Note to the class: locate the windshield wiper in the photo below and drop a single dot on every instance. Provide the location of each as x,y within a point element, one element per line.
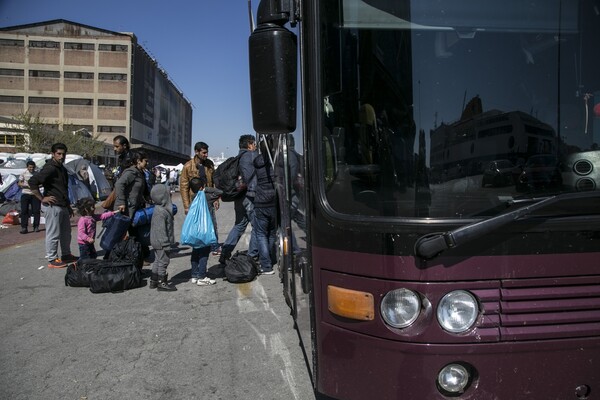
<point>432,244</point>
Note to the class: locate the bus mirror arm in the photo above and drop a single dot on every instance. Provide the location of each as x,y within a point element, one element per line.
<point>431,245</point>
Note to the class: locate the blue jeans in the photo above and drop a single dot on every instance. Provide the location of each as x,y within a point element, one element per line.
<point>244,214</point>
<point>87,250</point>
<point>199,261</point>
<point>266,227</point>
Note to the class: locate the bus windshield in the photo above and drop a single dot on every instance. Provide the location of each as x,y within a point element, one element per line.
<point>451,112</point>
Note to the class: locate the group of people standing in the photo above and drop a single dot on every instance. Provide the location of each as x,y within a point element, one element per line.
<point>133,189</point>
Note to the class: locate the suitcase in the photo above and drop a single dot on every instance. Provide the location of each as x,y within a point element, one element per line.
<point>113,276</point>
<point>115,229</point>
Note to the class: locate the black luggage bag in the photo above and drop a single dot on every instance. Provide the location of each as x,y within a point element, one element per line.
<point>78,273</point>
<point>241,268</point>
<point>112,276</point>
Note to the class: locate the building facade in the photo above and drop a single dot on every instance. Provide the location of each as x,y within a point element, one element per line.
<point>88,78</point>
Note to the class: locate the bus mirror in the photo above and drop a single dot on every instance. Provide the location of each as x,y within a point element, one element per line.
<point>273,72</point>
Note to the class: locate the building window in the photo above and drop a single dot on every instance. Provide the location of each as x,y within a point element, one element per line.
<point>44,74</point>
<point>12,43</point>
<point>79,46</point>
<point>14,140</point>
<point>11,72</point>
<point>77,102</point>
<point>43,100</point>
<point>111,129</point>
<point>112,77</point>
<point>111,103</point>
<point>12,99</point>
<point>45,44</point>
<point>112,47</point>
<point>79,75</point>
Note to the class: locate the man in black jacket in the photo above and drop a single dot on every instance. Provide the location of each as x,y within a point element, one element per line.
<point>55,180</point>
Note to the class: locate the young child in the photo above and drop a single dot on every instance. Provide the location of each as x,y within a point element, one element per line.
<point>161,237</point>
<point>86,227</point>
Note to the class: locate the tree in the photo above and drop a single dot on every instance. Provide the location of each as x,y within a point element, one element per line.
<point>39,137</point>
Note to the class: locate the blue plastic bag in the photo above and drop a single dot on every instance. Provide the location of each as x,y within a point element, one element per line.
<point>198,229</point>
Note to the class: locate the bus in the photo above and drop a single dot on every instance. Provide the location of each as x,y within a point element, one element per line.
<point>406,277</point>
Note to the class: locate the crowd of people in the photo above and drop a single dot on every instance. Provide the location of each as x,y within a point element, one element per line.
<point>135,186</point>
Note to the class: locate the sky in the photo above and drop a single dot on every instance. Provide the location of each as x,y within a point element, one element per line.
<point>202,45</point>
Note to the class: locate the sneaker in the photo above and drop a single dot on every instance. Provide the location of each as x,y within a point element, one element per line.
<point>267,272</point>
<point>23,230</point>
<point>57,263</point>
<point>36,229</point>
<point>195,280</point>
<point>69,258</point>
<point>205,281</point>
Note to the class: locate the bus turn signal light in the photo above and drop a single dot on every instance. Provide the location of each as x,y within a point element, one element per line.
<point>351,304</point>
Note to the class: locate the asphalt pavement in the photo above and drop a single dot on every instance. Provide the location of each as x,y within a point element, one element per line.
<point>226,341</point>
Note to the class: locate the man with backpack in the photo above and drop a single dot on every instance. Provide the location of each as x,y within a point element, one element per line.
<point>243,204</point>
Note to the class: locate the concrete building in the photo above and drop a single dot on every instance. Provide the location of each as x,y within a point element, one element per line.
<point>88,78</point>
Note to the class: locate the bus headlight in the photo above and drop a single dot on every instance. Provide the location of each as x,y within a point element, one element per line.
<point>400,307</point>
<point>457,311</point>
<point>453,378</point>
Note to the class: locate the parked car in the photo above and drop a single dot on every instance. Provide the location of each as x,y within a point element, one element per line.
<point>498,173</point>
<point>541,172</point>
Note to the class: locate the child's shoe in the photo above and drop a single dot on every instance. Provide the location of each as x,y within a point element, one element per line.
<point>57,263</point>
<point>163,285</point>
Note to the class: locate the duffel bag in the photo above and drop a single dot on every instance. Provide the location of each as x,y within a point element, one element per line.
<point>114,277</point>
<point>128,250</point>
<point>241,268</point>
<point>78,274</point>
<point>115,229</point>
<point>143,216</point>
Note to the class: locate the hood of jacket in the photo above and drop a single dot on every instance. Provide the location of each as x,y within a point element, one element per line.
<point>161,196</point>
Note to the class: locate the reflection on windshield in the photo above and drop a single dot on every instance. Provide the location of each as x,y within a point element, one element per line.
<point>423,117</point>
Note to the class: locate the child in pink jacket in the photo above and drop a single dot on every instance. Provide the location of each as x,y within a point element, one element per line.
<point>86,227</point>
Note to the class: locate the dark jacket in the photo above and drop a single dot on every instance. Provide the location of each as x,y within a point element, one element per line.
<point>247,170</point>
<point>265,188</point>
<point>131,190</point>
<point>161,226</point>
<point>55,179</point>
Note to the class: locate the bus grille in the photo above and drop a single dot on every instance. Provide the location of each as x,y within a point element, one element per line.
<point>544,308</point>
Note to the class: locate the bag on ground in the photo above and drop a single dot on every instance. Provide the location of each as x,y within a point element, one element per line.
<point>11,218</point>
<point>114,277</point>
<point>241,268</point>
<point>114,230</point>
<point>227,178</point>
<point>78,274</point>
<point>128,250</point>
<point>198,229</point>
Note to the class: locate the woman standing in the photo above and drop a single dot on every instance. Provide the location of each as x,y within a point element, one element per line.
<point>131,189</point>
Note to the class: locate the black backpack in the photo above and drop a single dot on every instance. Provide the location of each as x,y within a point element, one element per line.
<point>128,250</point>
<point>227,178</point>
<point>241,268</point>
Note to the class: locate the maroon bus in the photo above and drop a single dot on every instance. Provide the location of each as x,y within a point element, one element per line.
<point>440,212</point>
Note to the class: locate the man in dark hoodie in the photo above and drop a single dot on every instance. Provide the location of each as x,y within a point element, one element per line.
<point>265,208</point>
<point>161,237</point>
<point>55,180</point>
<point>243,205</point>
